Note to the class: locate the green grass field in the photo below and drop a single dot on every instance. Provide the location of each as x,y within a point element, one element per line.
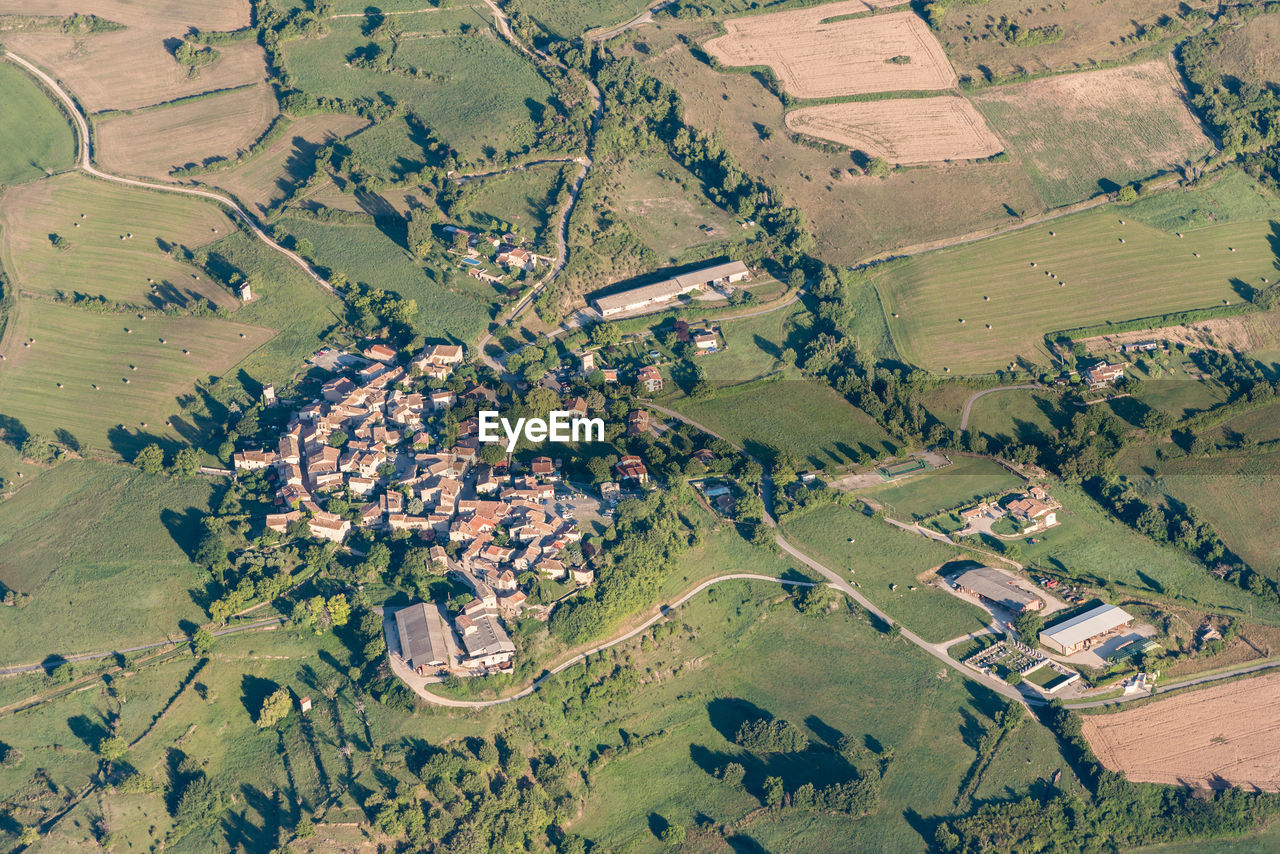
<point>1018,415</point>
<point>753,345</point>
<point>477,100</point>
<point>666,207</point>
<point>924,495</point>
<point>100,550</point>
<point>570,18</point>
<point>802,416</point>
<point>881,555</point>
<point>367,255</point>
<point>523,200</point>
<point>1091,545</point>
<point>80,350</point>
<point>35,139</point>
<point>1098,279</point>
<point>95,218</point>
<point>1232,196</point>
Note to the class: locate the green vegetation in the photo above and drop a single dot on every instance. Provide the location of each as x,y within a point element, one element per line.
<point>1087,267</point>
<point>924,495</point>
<point>1231,196</point>
<point>882,558</point>
<point>815,425</point>
<point>102,552</point>
<point>41,142</point>
<point>527,202</point>
<point>569,18</point>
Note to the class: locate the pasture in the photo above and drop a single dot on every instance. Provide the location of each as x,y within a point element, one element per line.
<point>150,143</point>
<point>1229,196</point>
<point>478,97</point>
<point>1079,134</point>
<point>452,308</point>
<point>905,131</point>
<point>1087,34</point>
<point>977,308</point>
<point>1091,546</point>
<point>571,18</point>
<point>134,67</point>
<point>754,345</point>
<point>75,371</point>
<point>816,52</point>
<point>94,219</point>
<point>523,201</point>
<point>1020,415</point>
<point>816,425</point>
<point>665,206</point>
<point>1223,734</point>
<point>41,142</point>
<point>879,556</point>
<point>102,551</point>
<point>853,217</point>
<point>1249,53</point>
<point>924,495</point>
<point>262,181</point>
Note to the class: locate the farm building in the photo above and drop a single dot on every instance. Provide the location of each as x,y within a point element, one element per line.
<point>659,293</point>
<point>486,642</point>
<point>1080,632</point>
<point>424,638</point>
<point>1103,374</point>
<point>1033,514</point>
<point>997,587</point>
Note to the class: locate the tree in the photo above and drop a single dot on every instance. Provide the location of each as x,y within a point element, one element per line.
<point>673,835</point>
<point>878,167</point>
<point>605,334</point>
<point>773,791</point>
<point>63,673</point>
<point>37,447</point>
<point>492,453</point>
<point>1028,626</point>
<point>29,836</point>
<point>733,774</point>
<point>186,462</point>
<point>339,609</point>
<point>338,438</point>
<point>275,708</point>
<point>202,641</point>
<point>150,459</point>
<point>1127,194</point>
<point>113,748</point>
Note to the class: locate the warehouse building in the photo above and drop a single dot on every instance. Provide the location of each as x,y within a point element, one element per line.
<point>660,293</point>
<point>997,587</point>
<point>1083,631</point>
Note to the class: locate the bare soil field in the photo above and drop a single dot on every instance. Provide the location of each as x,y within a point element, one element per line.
<point>264,179</point>
<point>905,131</point>
<point>1219,736</point>
<point>152,142</point>
<point>852,217</point>
<point>815,58</point>
<point>1260,331</point>
<point>1090,33</point>
<point>1080,133</point>
<point>134,67</point>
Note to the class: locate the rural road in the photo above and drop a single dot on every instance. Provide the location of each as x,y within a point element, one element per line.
<point>85,163</point>
<point>89,656</point>
<point>662,611</point>
<point>639,20</point>
<point>968,404</point>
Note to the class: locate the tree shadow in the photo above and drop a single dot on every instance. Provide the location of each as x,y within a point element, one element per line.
<point>728,714</point>
<point>253,691</point>
<point>89,731</point>
<point>823,730</point>
<point>184,527</point>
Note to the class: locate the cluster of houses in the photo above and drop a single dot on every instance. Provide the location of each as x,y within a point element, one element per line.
<point>1034,510</point>
<point>510,255</point>
<point>361,438</point>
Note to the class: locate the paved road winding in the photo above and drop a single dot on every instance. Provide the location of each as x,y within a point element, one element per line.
<point>84,161</point>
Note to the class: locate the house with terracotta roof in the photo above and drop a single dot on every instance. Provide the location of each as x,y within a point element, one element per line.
<point>631,468</point>
<point>651,378</point>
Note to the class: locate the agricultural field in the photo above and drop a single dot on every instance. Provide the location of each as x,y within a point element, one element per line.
<point>1042,37</point>
<point>753,346</point>
<point>1020,415</point>
<point>1213,737</point>
<point>853,217</point>
<point>95,218</point>
<point>666,208</point>
<point>817,426</point>
<point>480,98</point>
<point>921,496</point>
<point>102,552</point>
<point>1249,53</point>
<point>816,57</point>
<point>455,309</point>
<point>1081,134</point>
<point>266,178</point>
<point>880,556</point>
<point>151,143</point>
<point>134,67</point>
<point>903,132</point>
<point>979,307</point>
<point>40,144</point>
<point>109,381</point>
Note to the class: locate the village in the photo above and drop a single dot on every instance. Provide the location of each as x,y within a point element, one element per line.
<point>365,438</point>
